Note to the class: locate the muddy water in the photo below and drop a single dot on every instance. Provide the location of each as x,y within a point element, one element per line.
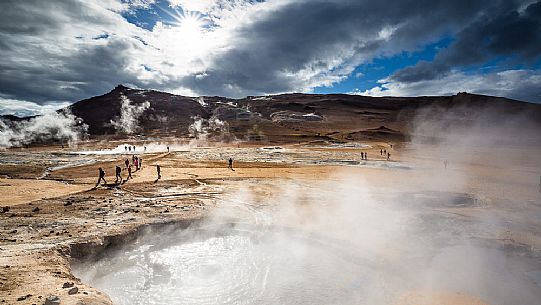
<point>233,267</point>
<point>368,250</point>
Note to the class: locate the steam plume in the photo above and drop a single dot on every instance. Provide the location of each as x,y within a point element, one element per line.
<point>61,126</point>
<point>128,122</point>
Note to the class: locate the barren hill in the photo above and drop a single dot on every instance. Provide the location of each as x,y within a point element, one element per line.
<point>287,117</point>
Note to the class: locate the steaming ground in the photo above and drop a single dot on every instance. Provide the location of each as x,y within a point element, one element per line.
<point>293,224</point>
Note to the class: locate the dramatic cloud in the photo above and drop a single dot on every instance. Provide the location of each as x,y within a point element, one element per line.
<point>510,33</point>
<point>518,84</point>
<point>26,108</point>
<point>298,45</point>
<point>64,51</point>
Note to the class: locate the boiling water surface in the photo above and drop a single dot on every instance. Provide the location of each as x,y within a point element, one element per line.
<point>191,267</point>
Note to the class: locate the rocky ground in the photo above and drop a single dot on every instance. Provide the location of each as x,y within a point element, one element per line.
<point>61,215</point>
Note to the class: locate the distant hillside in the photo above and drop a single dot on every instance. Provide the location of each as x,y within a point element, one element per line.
<point>285,117</point>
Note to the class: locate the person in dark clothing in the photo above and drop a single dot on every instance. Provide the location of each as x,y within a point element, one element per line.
<point>118,176</point>
<point>129,173</point>
<point>101,177</point>
<point>362,155</point>
<point>388,156</point>
<point>381,152</point>
<point>167,148</point>
<point>140,163</point>
<point>159,170</point>
<point>366,156</point>
<point>127,162</point>
<point>230,164</point>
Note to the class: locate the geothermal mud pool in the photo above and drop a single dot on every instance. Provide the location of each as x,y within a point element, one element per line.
<point>230,267</point>
<point>371,248</point>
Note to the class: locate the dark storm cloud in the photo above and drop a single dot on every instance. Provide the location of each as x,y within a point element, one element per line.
<point>508,33</point>
<point>308,36</point>
<point>42,59</point>
<point>49,54</point>
<point>83,73</point>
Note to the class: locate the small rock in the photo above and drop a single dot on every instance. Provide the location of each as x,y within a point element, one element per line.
<point>67,285</point>
<point>24,297</point>
<point>5,209</point>
<point>73,290</point>
<point>36,209</point>
<point>52,300</point>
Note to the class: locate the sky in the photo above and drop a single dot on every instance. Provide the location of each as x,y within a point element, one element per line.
<point>57,52</point>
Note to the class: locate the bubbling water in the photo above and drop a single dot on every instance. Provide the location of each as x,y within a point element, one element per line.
<point>232,268</point>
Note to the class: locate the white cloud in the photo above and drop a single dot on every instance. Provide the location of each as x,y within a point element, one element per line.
<point>516,84</point>
<point>70,50</point>
<point>26,108</point>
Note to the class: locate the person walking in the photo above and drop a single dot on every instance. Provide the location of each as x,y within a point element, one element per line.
<point>230,164</point>
<point>388,156</point>
<point>101,177</point>
<point>118,176</point>
<point>127,162</point>
<point>129,173</point>
<point>159,170</point>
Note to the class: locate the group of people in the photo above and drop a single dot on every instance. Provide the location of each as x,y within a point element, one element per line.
<point>383,152</point>
<point>364,156</point>
<point>136,161</point>
<point>130,148</point>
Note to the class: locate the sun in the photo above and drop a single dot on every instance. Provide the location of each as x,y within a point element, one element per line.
<point>191,23</point>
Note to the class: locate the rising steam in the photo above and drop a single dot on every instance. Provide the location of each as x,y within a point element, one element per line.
<point>358,237</point>
<point>128,122</point>
<point>202,129</point>
<point>60,126</point>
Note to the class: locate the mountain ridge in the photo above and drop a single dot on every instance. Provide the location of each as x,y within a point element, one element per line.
<point>281,116</point>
